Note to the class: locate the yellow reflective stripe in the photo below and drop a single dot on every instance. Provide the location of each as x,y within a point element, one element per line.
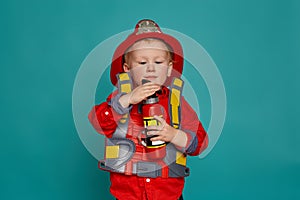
<point>180,158</point>
<point>125,87</point>
<point>124,118</point>
<point>175,101</point>
<point>175,95</point>
<point>175,115</point>
<point>112,151</point>
<point>177,82</point>
<point>123,77</point>
<point>122,121</point>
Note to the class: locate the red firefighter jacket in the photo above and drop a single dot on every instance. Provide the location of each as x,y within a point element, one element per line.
<point>131,187</point>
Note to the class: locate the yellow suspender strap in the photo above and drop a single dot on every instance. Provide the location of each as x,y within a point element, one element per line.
<point>124,86</point>
<point>175,97</point>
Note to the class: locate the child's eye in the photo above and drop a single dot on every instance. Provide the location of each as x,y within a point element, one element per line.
<point>158,62</point>
<point>142,63</point>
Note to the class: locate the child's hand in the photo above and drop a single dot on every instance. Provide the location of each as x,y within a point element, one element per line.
<point>167,133</point>
<point>139,94</point>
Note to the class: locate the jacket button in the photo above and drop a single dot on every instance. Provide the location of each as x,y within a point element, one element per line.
<point>148,180</point>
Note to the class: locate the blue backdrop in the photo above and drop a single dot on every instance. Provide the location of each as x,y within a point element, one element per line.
<point>255,45</point>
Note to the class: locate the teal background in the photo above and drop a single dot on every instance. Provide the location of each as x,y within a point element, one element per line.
<point>255,45</point>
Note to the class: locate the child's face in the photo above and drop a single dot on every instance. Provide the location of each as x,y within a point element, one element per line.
<point>149,60</point>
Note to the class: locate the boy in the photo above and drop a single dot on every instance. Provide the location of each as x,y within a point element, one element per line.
<point>148,54</point>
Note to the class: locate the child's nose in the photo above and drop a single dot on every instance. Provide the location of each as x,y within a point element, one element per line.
<point>151,67</point>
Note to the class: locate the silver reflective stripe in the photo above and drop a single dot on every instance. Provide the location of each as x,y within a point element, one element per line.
<point>121,130</point>
<point>126,149</point>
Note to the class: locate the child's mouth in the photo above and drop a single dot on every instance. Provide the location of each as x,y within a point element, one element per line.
<point>150,77</point>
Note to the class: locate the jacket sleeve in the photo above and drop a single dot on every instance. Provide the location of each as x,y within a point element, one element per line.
<point>197,137</point>
<point>105,116</point>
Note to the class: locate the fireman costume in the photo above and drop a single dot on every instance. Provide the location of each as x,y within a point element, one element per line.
<point>133,175</point>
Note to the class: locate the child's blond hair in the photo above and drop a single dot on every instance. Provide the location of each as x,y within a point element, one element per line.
<point>149,40</point>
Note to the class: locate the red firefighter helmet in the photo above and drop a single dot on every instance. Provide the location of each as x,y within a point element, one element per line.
<point>147,29</point>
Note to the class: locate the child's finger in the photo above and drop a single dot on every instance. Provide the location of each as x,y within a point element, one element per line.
<point>151,83</point>
<point>161,120</point>
<point>158,138</point>
<point>149,93</point>
<point>150,88</point>
<point>153,130</point>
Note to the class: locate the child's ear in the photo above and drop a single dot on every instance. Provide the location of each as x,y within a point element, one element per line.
<point>170,68</point>
<point>125,67</point>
